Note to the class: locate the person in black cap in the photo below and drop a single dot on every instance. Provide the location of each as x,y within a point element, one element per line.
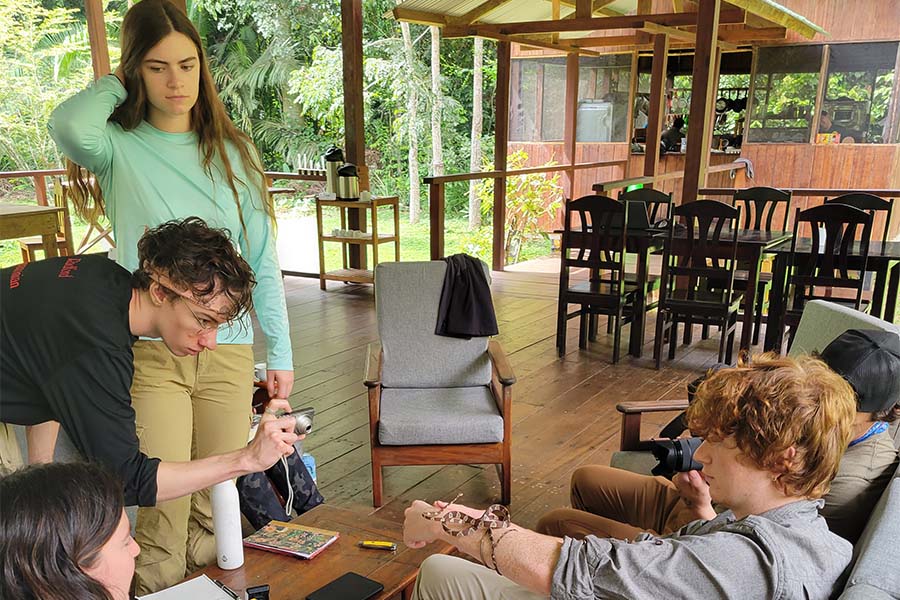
<point>870,362</point>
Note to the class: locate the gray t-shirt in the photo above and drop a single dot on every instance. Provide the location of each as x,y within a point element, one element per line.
<point>785,553</point>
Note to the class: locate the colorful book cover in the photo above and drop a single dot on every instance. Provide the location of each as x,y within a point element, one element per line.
<point>288,538</point>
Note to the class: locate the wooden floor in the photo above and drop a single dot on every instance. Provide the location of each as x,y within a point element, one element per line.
<point>563,409</point>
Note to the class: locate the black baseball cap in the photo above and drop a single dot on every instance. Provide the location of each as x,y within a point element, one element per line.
<point>870,362</point>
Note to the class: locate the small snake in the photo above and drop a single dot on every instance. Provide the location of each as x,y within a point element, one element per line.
<point>458,524</point>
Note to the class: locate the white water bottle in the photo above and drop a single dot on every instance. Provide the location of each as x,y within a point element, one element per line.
<point>227,525</point>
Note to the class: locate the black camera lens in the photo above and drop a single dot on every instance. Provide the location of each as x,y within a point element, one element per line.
<point>676,456</point>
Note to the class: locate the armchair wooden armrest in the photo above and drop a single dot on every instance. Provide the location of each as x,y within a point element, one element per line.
<point>373,365</point>
<point>630,436</point>
<point>501,363</point>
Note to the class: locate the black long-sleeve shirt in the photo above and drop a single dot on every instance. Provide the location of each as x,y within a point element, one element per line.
<point>66,355</point>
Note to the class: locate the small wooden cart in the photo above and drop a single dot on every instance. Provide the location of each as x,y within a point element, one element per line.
<point>373,238</point>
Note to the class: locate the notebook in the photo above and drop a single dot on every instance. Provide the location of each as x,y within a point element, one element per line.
<point>199,587</point>
<point>291,539</point>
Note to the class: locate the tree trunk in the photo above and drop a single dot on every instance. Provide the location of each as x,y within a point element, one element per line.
<point>411,105</point>
<point>437,153</point>
<point>477,122</point>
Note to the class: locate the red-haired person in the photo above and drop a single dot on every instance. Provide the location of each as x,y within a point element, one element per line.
<point>774,431</point>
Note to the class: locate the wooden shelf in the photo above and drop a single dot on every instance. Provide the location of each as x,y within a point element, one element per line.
<point>367,210</point>
<point>382,238</point>
<point>350,275</point>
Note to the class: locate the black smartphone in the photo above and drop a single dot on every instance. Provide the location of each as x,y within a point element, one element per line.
<point>349,586</point>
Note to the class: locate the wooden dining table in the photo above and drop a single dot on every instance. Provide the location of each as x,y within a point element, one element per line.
<point>883,261</point>
<point>23,220</point>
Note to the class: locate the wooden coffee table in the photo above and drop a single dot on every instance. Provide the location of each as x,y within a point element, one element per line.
<point>292,578</point>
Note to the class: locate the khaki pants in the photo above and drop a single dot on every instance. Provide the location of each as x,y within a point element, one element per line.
<point>444,577</point>
<point>614,503</point>
<point>186,408</point>
<point>10,453</point>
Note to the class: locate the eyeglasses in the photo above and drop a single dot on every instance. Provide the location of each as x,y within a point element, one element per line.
<point>205,323</point>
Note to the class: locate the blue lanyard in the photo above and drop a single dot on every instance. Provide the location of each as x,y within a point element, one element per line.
<point>875,429</point>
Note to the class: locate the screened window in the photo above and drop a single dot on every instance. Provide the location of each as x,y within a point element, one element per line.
<point>784,98</point>
<point>603,86</point>
<point>858,91</point>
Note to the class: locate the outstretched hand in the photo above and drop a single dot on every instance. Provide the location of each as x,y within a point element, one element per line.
<point>274,438</point>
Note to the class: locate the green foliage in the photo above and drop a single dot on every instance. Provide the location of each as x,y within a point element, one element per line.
<point>530,200</point>
<point>46,56</point>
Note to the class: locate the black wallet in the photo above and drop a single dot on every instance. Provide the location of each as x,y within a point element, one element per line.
<point>349,586</point>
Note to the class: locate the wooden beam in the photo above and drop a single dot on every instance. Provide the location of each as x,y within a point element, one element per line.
<point>530,41</point>
<point>584,9</point>
<point>420,17</point>
<point>93,11</point>
<point>771,11</point>
<point>571,123</point>
<point>182,4</point>
<point>501,137</point>
<point>354,118</point>
<point>749,35</point>
<point>703,87</point>
<point>657,103</point>
<point>679,34</point>
<point>596,42</point>
<point>597,23</point>
<point>478,12</point>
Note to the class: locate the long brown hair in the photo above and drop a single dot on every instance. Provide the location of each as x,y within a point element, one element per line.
<point>145,25</point>
<point>56,518</point>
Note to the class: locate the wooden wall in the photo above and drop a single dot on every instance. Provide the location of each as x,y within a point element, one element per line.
<point>842,166</point>
<point>847,20</point>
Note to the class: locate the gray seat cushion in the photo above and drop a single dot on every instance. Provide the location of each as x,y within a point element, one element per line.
<point>460,415</point>
<point>876,574</point>
<point>407,295</point>
<point>824,321</point>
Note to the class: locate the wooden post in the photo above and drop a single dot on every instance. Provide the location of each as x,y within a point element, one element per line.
<point>818,107</point>
<point>354,118</point>
<point>702,89</point>
<point>657,103</point>
<point>571,118</point>
<point>436,216</point>
<point>501,136</point>
<point>93,11</point>
<point>583,9</point>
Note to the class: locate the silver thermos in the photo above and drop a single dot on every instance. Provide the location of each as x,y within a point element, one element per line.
<point>334,158</point>
<point>348,182</point>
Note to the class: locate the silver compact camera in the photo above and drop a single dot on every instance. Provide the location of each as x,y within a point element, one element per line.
<point>304,420</point>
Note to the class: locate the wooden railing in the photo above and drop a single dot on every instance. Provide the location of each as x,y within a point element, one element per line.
<point>648,180</point>
<point>38,177</point>
<point>436,197</point>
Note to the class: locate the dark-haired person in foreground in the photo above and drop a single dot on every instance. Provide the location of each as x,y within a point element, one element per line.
<point>773,430</point>
<point>611,502</point>
<point>64,534</point>
<point>67,326</point>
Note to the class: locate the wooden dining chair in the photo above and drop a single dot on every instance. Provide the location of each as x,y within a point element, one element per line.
<point>871,204</point>
<point>29,246</point>
<point>659,204</point>
<point>707,253</point>
<point>834,259</point>
<point>760,208</point>
<point>598,245</point>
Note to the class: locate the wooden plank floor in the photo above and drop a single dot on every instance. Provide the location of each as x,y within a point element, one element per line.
<point>563,409</point>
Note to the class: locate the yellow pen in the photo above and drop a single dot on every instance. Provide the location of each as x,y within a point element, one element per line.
<point>378,545</point>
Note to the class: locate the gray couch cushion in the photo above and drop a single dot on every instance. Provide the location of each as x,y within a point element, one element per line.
<point>876,574</point>
<point>460,415</point>
<point>823,321</point>
<point>406,301</point>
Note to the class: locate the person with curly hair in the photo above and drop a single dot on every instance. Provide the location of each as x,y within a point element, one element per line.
<point>149,143</point>
<point>64,534</point>
<point>612,502</point>
<point>67,327</point>
<point>774,431</point>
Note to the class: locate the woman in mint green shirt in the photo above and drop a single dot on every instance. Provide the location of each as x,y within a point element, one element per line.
<point>161,146</point>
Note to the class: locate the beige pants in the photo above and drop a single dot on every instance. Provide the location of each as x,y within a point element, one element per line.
<point>614,503</point>
<point>444,577</point>
<point>186,408</point>
<point>10,453</point>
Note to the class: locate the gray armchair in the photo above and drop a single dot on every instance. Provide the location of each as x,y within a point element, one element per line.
<point>433,400</point>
